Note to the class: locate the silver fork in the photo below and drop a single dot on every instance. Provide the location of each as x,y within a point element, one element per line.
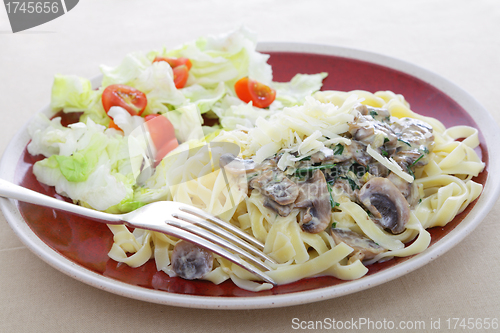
<point>176,219</point>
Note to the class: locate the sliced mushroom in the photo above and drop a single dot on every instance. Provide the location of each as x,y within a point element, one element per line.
<point>363,132</point>
<point>408,190</point>
<point>282,210</point>
<point>376,113</point>
<point>358,151</point>
<point>378,169</point>
<point>273,183</point>
<point>314,198</point>
<point>368,130</point>
<point>409,158</point>
<point>190,261</point>
<point>413,134</point>
<point>324,154</point>
<point>383,199</point>
<point>364,248</point>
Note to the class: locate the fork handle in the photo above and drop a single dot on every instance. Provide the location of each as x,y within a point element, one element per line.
<point>10,190</point>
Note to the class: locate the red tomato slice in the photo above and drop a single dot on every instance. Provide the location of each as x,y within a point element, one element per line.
<point>242,91</point>
<point>250,90</point>
<point>163,135</point>
<point>181,74</point>
<point>131,99</point>
<point>174,62</point>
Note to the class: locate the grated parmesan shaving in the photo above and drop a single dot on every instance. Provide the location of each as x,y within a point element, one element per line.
<point>389,164</point>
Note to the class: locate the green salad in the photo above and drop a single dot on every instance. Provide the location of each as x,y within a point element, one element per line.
<point>186,94</point>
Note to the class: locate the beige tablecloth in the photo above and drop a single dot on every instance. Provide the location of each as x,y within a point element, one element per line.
<point>456,39</point>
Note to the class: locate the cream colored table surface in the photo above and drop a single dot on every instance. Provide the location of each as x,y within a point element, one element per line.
<point>456,39</point>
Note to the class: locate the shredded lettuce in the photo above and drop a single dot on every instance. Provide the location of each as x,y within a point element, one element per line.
<point>82,161</point>
<point>72,93</point>
<point>302,85</point>
<point>225,58</point>
<point>129,69</point>
<point>204,98</point>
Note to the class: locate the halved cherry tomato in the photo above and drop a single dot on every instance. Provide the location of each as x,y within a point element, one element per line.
<point>131,99</point>
<point>163,135</point>
<point>250,90</point>
<point>181,74</point>
<point>242,91</point>
<point>174,62</point>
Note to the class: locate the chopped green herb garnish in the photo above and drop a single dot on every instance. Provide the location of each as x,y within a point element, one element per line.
<point>339,149</point>
<point>332,203</point>
<point>410,172</point>
<point>314,168</point>
<point>334,224</point>
<point>418,159</point>
<point>384,152</point>
<point>404,141</point>
<point>307,158</point>
<point>373,113</point>
<point>425,150</point>
<point>386,140</point>
<point>420,200</point>
<point>353,184</point>
<point>388,118</point>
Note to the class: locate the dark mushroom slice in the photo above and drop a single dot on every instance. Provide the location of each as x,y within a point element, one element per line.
<point>364,248</point>
<point>383,199</point>
<point>378,169</point>
<point>190,261</point>
<point>408,190</point>
<point>273,183</point>
<point>413,134</point>
<point>376,113</point>
<point>370,131</point>
<point>314,198</point>
<point>363,131</point>
<point>324,154</point>
<point>358,151</point>
<point>410,158</point>
<point>282,210</point>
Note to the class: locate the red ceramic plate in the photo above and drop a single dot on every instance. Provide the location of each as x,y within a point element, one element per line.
<point>79,247</point>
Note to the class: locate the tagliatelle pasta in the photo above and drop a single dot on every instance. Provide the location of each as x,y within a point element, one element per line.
<point>436,184</point>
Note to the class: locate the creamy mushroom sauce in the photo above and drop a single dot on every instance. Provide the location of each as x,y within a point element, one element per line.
<point>350,171</point>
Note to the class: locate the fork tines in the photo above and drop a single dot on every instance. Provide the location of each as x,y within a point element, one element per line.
<point>220,237</point>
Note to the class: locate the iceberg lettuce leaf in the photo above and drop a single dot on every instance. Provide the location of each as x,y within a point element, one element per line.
<point>302,85</point>
<point>72,94</point>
